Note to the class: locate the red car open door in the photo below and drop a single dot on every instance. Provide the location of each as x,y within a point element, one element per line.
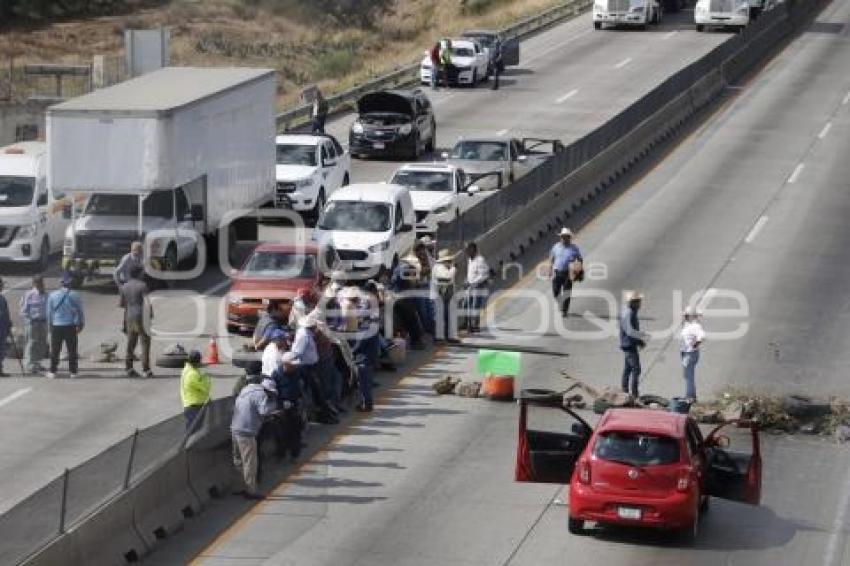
<point>733,473</point>
<point>551,438</point>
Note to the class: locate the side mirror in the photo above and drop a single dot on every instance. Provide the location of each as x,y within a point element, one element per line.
<point>472,189</point>
<point>445,155</point>
<point>197,213</point>
<point>522,158</point>
<point>66,211</point>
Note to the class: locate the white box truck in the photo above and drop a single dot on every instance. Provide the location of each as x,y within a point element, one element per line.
<point>163,159</point>
<point>32,223</point>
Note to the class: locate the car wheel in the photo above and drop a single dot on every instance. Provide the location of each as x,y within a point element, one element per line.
<point>172,361</point>
<point>705,504</point>
<point>597,25</point>
<point>346,180</point>
<point>575,526</point>
<point>700,27</point>
<point>320,204</point>
<point>689,533</point>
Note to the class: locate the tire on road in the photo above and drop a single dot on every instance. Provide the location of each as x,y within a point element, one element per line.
<point>172,361</point>
<point>575,526</point>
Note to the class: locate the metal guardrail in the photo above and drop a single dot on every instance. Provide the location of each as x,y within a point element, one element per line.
<point>407,75</point>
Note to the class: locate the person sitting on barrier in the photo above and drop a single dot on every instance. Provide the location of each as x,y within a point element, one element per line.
<point>194,387</point>
<point>288,381</point>
<point>251,406</point>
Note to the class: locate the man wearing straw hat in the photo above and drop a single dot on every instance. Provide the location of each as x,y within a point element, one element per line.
<point>562,258</point>
<point>631,340</point>
<point>444,279</point>
<point>691,338</point>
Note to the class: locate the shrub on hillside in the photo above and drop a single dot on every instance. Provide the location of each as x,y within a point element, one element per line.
<point>36,10</point>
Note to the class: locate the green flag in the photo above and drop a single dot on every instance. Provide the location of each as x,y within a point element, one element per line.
<point>499,362</point>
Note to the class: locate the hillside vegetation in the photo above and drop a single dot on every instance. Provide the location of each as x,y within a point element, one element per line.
<point>335,43</point>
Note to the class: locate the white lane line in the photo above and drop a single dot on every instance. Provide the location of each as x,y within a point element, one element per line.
<point>756,229</point>
<point>623,63</point>
<point>825,130</point>
<point>16,395</point>
<point>501,133</point>
<point>567,96</point>
<point>796,173</point>
<point>669,35</point>
<point>846,100</point>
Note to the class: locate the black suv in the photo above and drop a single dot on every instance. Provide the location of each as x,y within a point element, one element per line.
<point>393,123</point>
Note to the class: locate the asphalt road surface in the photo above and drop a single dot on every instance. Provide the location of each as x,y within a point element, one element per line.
<point>754,203</point>
<point>571,80</point>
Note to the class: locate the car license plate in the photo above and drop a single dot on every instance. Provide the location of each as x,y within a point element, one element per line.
<point>628,513</point>
<point>378,145</point>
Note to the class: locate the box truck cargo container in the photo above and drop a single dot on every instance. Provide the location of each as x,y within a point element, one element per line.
<point>166,158</point>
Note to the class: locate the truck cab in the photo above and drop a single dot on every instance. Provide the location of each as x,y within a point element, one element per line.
<point>31,215</point>
<point>635,13</point>
<point>309,169</point>
<point>722,13</point>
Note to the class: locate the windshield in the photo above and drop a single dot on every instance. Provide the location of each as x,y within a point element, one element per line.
<point>16,191</point>
<point>281,264</point>
<point>462,51</point>
<point>296,154</point>
<point>437,181</point>
<point>479,151</point>
<point>636,449</point>
<point>358,216</point>
<point>159,204</point>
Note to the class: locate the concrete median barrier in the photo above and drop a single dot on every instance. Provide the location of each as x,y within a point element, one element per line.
<point>163,500</point>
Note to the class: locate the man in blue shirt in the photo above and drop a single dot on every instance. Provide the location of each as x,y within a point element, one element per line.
<point>560,257</point>
<point>631,340</point>
<point>66,320</point>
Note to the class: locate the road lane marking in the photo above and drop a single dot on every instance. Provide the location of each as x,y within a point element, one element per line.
<point>846,100</point>
<point>623,63</point>
<point>503,132</point>
<point>796,173</point>
<point>669,35</point>
<point>16,395</point>
<point>825,130</point>
<point>756,229</point>
<point>567,96</point>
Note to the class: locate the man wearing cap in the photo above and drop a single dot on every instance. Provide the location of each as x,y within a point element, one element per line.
<point>561,256</point>
<point>66,320</point>
<point>690,339</point>
<point>195,387</point>
<point>307,356</point>
<point>127,263</point>
<point>134,300</point>
<point>272,353</point>
<point>33,309</point>
<point>5,328</point>
<point>251,405</point>
<point>288,382</point>
<point>631,340</point>
<point>444,280</point>
<point>276,316</point>
<point>477,279</point>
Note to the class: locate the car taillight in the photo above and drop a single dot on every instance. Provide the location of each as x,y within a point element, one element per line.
<point>584,472</point>
<point>684,480</point>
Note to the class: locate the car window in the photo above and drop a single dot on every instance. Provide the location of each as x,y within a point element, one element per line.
<point>636,448</point>
<point>479,151</point>
<point>16,191</point>
<point>324,153</point>
<point>514,151</point>
<point>438,181</point>
<point>399,216</point>
<point>291,154</point>
<point>356,216</point>
<point>339,149</point>
<point>182,205</point>
<point>462,52</point>
<point>280,264</point>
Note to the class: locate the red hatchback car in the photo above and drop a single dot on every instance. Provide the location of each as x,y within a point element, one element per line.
<point>639,467</point>
<point>273,271</point>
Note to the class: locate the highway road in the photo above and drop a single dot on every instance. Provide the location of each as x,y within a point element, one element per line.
<point>752,205</point>
<point>572,79</point>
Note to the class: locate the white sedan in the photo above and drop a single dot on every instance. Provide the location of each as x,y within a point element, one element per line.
<point>470,64</point>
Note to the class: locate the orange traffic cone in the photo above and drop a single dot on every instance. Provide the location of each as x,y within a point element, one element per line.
<point>212,353</point>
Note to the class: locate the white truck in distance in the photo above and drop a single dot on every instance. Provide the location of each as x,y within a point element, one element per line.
<point>169,158</point>
<point>722,13</point>
<point>32,223</point>
<point>436,190</point>
<point>310,168</point>
<point>636,13</point>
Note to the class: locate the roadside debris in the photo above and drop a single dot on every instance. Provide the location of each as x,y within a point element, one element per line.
<point>106,353</point>
<point>446,385</point>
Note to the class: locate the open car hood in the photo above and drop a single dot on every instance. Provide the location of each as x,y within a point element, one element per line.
<point>385,102</point>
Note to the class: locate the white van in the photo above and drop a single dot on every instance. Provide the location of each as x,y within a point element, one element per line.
<point>721,13</point>
<point>370,225</point>
<point>32,223</point>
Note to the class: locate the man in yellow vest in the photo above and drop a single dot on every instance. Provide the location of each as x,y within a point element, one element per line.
<point>194,387</point>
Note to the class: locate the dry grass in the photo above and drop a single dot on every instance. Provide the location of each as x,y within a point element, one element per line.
<point>277,35</point>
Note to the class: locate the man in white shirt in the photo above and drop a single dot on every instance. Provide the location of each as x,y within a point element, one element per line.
<point>691,338</point>
<point>477,278</point>
<point>273,352</point>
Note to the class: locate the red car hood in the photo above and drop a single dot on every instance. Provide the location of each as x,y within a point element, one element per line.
<point>268,288</point>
